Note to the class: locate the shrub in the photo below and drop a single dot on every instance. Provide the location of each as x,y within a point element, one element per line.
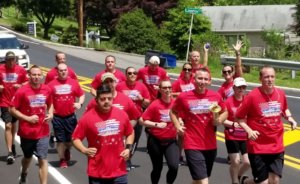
<point>69,36</point>
<point>20,27</point>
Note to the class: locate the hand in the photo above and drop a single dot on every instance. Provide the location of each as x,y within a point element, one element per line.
<point>33,119</point>
<point>1,88</point>
<point>237,47</point>
<point>236,125</point>
<point>16,86</point>
<point>180,129</point>
<point>293,123</point>
<point>90,152</point>
<point>156,87</point>
<point>206,48</point>
<point>48,117</point>
<point>77,105</point>
<point>161,125</point>
<point>253,135</point>
<point>125,154</point>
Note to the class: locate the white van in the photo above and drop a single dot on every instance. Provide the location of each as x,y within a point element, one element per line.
<point>9,42</point>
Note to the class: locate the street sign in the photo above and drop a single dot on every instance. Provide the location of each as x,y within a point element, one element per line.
<point>193,10</point>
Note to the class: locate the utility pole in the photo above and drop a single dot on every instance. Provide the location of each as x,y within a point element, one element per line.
<point>80,22</point>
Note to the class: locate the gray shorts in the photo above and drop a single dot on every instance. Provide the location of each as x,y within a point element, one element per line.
<point>38,147</point>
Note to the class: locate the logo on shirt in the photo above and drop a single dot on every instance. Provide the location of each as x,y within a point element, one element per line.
<point>164,115</point>
<point>133,94</point>
<point>229,92</point>
<point>10,77</point>
<point>269,109</point>
<point>108,127</point>
<point>187,87</point>
<point>38,100</point>
<point>63,89</point>
<point>152,79</point>
<point>119,106</point>
<point>200,106</point>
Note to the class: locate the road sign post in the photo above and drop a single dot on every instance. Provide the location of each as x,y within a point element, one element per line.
<point>191,11</point>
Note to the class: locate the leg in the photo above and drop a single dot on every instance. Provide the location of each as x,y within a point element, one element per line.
<point>273,178</point>
<point>245,165</point>
<point>25,164</point>
<point>172,158</point>
<point>9,135</point>
<point>234,167</point>
<point>156,155</point>
<point>61,150</point>
<point>43,170</point>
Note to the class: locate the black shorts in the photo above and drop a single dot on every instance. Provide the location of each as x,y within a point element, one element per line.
<point>117,180</point>
<point>235,146</point>
<point>6,116</point>
<point>63,127</point>
<point>38,147</point>
<point>200,162</point>
<point>263,164</point>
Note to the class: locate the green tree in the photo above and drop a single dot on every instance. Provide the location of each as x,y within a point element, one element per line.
<point>176,29</point>
<point>253,2</point>
<point>45,10</point>
<point>275,44</point>
<point>135,32</point>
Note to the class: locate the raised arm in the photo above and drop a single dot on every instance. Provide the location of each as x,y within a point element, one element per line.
<point>238,63</point>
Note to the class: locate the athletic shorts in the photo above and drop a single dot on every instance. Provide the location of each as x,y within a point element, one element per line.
<point>38,147</point>
<point>117,180</point>
<point>263,164</point>
<point>6,116</point>
<point>235,146</point>
<point>200,162</point>
<point>63,127</point>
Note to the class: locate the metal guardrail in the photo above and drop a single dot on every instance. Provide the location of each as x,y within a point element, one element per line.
<point>282,64</point>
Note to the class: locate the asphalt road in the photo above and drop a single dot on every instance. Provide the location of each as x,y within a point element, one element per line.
<point>87,63</point>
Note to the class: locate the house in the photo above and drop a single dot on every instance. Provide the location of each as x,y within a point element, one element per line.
<point>237,21</point>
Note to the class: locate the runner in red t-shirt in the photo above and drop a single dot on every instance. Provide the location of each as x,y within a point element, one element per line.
<point>162,134</point>
<point>104,128</point>
<point>229,74</point>
<point>30,105</point>
<point>110,64</point>
<point>60,57</point>
<point>235,135</point>
<point>199,129</point>
<point>65,90</point>
<point>12,77</point>
<point>195,59</point>
<point>151,75</point>
<point>260,115</point>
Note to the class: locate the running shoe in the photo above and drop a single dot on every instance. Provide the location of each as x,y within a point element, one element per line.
<point>22,178</point>
<point>63,163</point>
<point>243,178</point>
<point>10,158</point>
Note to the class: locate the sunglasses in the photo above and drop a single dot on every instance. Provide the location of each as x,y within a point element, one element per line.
<point>166,87</point>
<point>187,69</point>
<point>226,71</point>
<point>242,87</point>
<point>131,73</point>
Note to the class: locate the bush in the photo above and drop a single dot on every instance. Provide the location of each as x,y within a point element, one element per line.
<point>69,36</point>
<point>135,32</point>
<point>20,27</point>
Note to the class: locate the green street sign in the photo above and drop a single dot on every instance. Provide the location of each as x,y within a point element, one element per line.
<point>193,10</point>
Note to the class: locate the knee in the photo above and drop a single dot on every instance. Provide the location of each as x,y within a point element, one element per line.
<point>8,126</point>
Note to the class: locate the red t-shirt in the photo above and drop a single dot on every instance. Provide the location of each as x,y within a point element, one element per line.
<point>30,102</point>
<point>97,79</point>
<point>232,133</point>
<point>105,131</point>
<point>64,94</point>
<point>263,113</point>
<point>9,77</point>
<point>152,78</point>
<point>122,102</point>
<point>133,91</point>
<point>158,111</point>
<point>226,90</point>
<point>181,85</point>
<point>200,133</point>
<point>53,73</point>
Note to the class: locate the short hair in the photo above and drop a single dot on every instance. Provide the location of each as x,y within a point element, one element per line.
<point>126,70</point>
<point>203,69</point>
<point>110,56</point>
<point>232,68</point>
<point>32,67</point>
<point>59,52</point>
<point>266,66</point>
<point>103,89</point>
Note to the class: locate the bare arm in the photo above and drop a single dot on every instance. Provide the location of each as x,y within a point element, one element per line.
<point>93,92</point>
<point>219,118</point>
<point>205,57</point>
<point>127,152</point>
<point>151,124</point>
<point>290,119</point>
<point>177,123</point>
<point>238,62</point>
<point>91,152</point>
<point>80,102</point>
<point>20,116</point>
<point>252,134</point>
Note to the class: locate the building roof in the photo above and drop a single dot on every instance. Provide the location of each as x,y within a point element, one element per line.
<point>249,18</point>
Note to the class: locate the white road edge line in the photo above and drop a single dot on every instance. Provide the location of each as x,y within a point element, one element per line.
<point>51,170</point>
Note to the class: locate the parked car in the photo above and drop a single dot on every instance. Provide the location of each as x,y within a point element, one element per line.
<point>9,42</point>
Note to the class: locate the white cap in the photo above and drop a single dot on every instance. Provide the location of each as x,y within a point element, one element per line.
<point>154,60</point>
<point>239,81</point>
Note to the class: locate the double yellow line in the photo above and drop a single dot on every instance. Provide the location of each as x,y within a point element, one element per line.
<point>290,137</point>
